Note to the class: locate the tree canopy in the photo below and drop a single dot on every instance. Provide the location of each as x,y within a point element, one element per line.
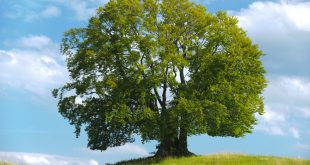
<point>163,70</point>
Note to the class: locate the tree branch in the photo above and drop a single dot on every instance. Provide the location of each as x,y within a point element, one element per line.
<point>164,95</point>
<point>158,97</point>
<point>182,77</point>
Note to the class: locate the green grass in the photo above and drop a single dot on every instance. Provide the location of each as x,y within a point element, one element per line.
<point>3,163</point>
<point>219,159</point>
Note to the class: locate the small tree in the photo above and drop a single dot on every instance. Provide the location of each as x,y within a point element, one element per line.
<point>164,70</point>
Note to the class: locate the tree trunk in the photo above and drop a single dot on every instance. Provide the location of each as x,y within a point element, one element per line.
<point>173,147</point>
<point>166,148</point>
<point>167,145</point>
<point>182,144</point>
<point>171,144</point>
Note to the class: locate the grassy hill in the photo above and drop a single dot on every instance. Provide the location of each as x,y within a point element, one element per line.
<point>2,163</point>
<point>219,159</point>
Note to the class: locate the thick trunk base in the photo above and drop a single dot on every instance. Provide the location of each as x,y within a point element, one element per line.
<point>172,148</point>
<point>172,153</point>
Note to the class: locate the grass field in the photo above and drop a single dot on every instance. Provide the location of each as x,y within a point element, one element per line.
<point>2,163</point>
<point>219,159</point>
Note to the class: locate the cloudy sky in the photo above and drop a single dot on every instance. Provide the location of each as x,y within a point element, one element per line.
<point>32,131</point>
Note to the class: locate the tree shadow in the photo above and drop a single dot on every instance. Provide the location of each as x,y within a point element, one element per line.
<point>140,161</point>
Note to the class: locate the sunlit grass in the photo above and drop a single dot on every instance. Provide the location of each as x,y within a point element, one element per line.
<point>4,163</point>
<point>220,159</point>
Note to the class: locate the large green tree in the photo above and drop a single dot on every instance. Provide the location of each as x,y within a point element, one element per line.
<point>163,70</point>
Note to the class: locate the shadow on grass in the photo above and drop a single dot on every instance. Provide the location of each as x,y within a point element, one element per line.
<point>222,159</point>
<point>140,161</point>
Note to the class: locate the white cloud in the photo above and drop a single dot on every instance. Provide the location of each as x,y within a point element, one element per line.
<point>294,132</point>
<point>289,15</point>
<point>302,147</point>
<point>272,122</point>
<point>128,148</point>
<point>33,10</point>
<point>273,130</point>
<point>30,10</point>
<point>305,111</point>
<point>34,65</point>
<point>282,29</point>
<point>42,159</point>
<point>205,1</point>
<point>51,11</point>
<point>287,107</point>
<point>289,94</point>
<point>115,154</point>
<point>16,10</point>
<point>273,117</point>
<point>38,42</point>
<point>83,9</point>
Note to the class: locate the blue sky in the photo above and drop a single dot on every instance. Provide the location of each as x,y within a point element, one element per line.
<point>32,131</point>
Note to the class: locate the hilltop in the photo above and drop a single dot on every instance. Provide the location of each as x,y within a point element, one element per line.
<point>219,159</point>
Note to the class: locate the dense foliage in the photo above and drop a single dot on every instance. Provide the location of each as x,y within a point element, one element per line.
<point>164,70</point>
